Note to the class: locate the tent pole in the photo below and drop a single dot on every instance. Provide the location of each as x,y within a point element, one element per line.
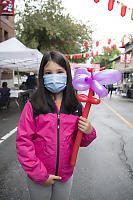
<point>18,76</point>
<point>0,75</point>
<point>13,77</point>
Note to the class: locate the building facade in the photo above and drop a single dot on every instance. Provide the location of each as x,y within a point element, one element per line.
<point>6,32</point>
<point>126,68</point>
<point>122,66</point>
<point>6,27</point>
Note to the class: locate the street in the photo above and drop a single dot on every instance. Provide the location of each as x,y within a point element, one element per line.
<point>104,169</point>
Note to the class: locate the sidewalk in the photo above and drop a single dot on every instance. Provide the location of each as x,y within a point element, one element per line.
<point>119,96</point>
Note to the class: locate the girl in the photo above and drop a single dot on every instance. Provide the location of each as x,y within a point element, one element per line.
<point>47,130</point>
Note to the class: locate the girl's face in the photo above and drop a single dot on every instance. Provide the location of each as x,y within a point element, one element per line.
<point>53,68</point>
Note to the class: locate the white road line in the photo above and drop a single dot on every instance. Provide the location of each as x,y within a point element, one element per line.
<point>8,135</point>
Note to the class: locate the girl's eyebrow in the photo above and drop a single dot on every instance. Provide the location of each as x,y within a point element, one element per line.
<point>46,70</point>
<point>60,68</point>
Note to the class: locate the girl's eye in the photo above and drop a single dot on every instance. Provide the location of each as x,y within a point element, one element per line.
<point>60,71</point>
<point>47,72</point>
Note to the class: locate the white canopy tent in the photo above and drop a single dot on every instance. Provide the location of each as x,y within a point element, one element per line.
<point>16,56</point>
<point>27,64</point>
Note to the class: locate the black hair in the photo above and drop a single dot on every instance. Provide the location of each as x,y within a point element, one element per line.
<point>4,84</point>
<point>39,98</point>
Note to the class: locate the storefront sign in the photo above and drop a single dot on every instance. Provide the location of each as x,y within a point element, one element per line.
<point>125,58</point>
<point>7,7</point>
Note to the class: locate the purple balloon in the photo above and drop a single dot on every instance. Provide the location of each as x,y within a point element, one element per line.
<point>83,80</point>
<point>79,82</point>
<point>107,77</point>
<point>82,71</point>
<point>99,89</point>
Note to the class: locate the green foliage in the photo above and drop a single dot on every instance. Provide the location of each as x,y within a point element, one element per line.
<point>103,60</point>
<point>43,25</point>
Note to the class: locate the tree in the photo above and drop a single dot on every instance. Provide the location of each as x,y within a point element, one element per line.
<point>43,25</point>
<point>103,59</point>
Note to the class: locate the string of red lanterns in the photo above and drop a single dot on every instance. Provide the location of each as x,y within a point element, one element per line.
<point>85,55</point>
<point>111,5</point>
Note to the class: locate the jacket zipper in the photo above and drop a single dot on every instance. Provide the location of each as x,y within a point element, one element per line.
<point>57,161</point>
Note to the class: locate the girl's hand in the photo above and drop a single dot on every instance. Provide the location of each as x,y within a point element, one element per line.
<point>51,180</point>
<point>84,125</point>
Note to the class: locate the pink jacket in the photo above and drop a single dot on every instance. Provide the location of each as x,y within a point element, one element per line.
<point>44,142</point>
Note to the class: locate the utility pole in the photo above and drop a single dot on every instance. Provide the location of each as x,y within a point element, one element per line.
<point>105,63</point>
<point>125,57</point>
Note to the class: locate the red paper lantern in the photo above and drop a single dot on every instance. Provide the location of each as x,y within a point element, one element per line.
<point>87,55</point>
<point>110,5</point>
<point>132,15</point>
<point>109,41</point>
<point>108,49</point>
<point>114,47</point>
<point>97,43</point>
<point>122,44</point>
<point>97,53</point>
<point>123,10</point>
<point>86,44</point>
<point>96,1</point>
<point>92,54</point>
<point>74,57</point>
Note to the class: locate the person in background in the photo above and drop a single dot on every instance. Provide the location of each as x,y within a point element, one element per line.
<point>4,94</point>
<point>47,131</point>
<point>31,81</point>
<point>23,86</point>
<point>110,90</point>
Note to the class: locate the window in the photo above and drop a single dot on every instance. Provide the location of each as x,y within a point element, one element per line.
<point>126,75</point>
<point>5,35</point>
<point>6,17</point>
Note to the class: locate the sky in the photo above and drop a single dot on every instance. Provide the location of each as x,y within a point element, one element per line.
<point>105,24</point>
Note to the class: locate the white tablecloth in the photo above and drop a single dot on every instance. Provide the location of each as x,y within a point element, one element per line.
<point>14,93</point>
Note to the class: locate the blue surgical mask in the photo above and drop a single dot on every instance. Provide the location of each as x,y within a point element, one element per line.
<point>55,83</point>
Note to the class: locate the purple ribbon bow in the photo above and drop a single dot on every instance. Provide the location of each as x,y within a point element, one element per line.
<point>83,80</point>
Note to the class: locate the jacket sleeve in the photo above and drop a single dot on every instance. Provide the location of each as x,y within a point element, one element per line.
<point>88,138</point>
<point>25,147</point>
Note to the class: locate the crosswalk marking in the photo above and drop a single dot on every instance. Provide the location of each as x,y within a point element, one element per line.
<point>8,135</point>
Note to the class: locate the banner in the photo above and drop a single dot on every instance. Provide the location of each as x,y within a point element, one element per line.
<point>125,58</point>
<point>7,7</point>
<point>128,58</point>
<point>96,67</point>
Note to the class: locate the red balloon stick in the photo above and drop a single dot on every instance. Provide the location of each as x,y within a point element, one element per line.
<point>90,100</point>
